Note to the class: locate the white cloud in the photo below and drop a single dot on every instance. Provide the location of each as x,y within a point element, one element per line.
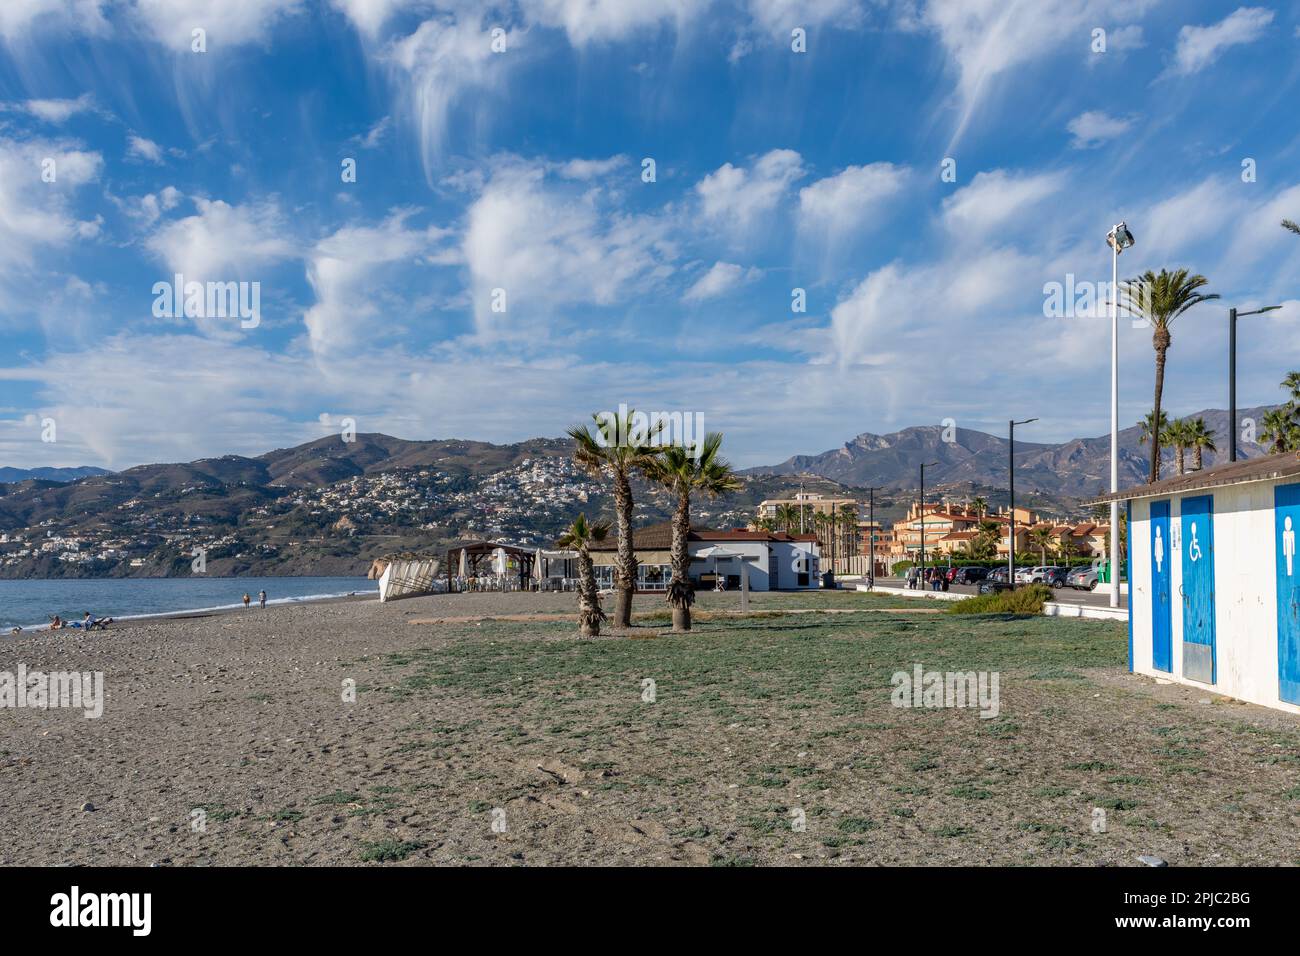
<point>841,203</point>
<point>437,65</point>
<point>346,270</point>
<point>59,111</point>
<point>226,22</point>
<point>987,38</point>
<point>593,21</point>
<point>17,17</point>
<point>590,168</point>
<point>995,199</point>
<point>1096,127</point>
<point>723,277</point>
<point>550,247</point>
<point>36,215</point>
<point>137,147</point>
<point>369,16</point>
<point>735,197</point>
<point>223,242</point>
<point>782,16</point>
<point>1198,47</point>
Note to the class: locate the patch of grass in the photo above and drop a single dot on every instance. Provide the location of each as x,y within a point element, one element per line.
<point>1096,765</point>
<point>1052,792</point>
<point>948,830</point>
<point>337,798</point>
<point>287,815</point>
<point>385,851</point>
<point>1114,803</point>
<point>968,791</point>
<point>218,813</point>
<point>857,825</point>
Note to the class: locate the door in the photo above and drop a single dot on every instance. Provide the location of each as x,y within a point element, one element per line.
<point>1198,588</point>
<point>1162,628</point>
<point>1286,517</point>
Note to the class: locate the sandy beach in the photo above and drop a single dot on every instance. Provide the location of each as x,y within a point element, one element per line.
<point>484,732</point>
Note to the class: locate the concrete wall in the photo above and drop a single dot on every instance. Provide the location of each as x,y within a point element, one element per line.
<point>1245,593</point>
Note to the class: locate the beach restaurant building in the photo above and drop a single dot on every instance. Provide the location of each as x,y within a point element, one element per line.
<point>1214,597</point>
<point>774,560</point>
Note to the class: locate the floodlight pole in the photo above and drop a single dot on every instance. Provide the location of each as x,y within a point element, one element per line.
<point>1233,315</point>
<point>1011,502</point>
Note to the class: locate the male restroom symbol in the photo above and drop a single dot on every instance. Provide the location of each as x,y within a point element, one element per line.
<point>1288,544</point>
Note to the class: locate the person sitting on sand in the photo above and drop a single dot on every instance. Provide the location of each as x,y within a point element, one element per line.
<point>246,599</point>
<point>88,621</point>
<point>56,623</point>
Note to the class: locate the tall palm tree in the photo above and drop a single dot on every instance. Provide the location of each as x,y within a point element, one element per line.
<point>1201,439</point>
<point>616,451</point>
<point>1160,299</point>
<point>1288,224</point>
<point>1177,435</point>
<point>1278,429</point>
<point>849,524</point>
<point>1157,436</point>
<point>681,472</point>
<point>579,536</point>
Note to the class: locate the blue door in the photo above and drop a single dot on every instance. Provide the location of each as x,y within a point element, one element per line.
<point>1198,588</point>
<point>1162,629</point>
<point>1286,513</point>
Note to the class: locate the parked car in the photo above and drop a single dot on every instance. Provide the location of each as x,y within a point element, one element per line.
<point>971,575</point>
<point>996,580</point>
<point>1044,574</point>
<point>1082,579</point>
<point>1055,577</point>
<point>1030,575</point>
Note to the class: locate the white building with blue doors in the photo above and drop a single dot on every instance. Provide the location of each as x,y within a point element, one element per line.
<point>1214,579</point>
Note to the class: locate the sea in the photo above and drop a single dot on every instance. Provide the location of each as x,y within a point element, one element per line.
<point>29,603</point>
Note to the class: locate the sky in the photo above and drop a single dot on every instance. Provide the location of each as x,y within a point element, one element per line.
<point>798,220</point>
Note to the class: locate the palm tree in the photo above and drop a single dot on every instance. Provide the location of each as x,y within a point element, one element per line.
<point>1160,438</point>
<point>764,524</point>
<point>681,471</point>
<point>1200,439</point>
<point>1160,299</point>
<point>787,516</point>
<point>981,506</point>
<point>1288,224</point>
<point>617,451</point>
<point>1278,428</point>
<point>849,526</point>
<point>1040,536</point>
<point>1177,434</point>
<point>579,536</point>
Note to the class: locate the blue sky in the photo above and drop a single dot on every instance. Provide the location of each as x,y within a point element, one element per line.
<point>521,170</point>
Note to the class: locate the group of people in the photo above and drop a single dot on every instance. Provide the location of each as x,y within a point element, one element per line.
<point>934,579</point>
<point>89,622</point>
<point>261,599</point>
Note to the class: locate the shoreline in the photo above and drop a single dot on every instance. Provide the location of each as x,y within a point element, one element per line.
<point>197,613</point>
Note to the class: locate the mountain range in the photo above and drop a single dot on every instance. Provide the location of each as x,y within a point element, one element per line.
<point>1073,469</point>
<point>9,475</point>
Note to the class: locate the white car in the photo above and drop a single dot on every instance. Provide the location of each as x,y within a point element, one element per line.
<point>1027,575</point>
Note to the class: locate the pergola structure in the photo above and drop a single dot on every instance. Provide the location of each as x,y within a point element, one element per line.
<point>465,559</point>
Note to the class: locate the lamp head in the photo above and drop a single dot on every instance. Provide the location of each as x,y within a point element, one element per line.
<point>1119,238</point>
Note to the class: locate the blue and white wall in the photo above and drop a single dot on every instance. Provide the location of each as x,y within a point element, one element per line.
<point>1223,591</point>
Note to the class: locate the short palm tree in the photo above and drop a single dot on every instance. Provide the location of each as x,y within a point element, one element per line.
<point>1157,436</point>
<point>981,506</point>
<point>682,471</point>
<point>580,536</point>
<point>1178,435</point>
<point>1160,299</point>
<point>1200,439</point>
<point>1040,536</point>
<point>787,517</point>
<point>616,451</point>
<point>1279,431</point>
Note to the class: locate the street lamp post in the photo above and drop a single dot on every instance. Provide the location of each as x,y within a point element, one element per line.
<point>871,533</point>
<point>1233,316</point>
<point>1011,496</point>
<point>924,465</point>
<point>1119,238</point>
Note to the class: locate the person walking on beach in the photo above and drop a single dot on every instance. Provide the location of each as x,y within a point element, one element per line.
<point>246,599</point>
<point>261,598</point>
